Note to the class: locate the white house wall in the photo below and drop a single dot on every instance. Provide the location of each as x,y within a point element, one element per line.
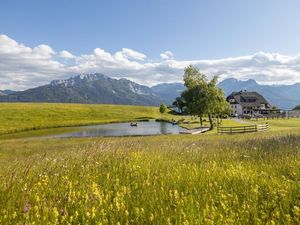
<point>294,113</point>
<point>236,109</point>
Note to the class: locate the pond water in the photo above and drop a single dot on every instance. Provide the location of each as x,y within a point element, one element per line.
<point>124,129</point>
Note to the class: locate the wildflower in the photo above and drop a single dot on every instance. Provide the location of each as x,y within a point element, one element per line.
<point>93,212</point>
<point>37,198</point>
<point>176,194</point>
<point>14,215</point>
<point>137,211</point>
<point>223,205</point>
<point>186,222</point>
<point>169,221</point>
<point>151,218</point>
<point>36,208</point>
<point>288,217</point>
<point>255,190</point>
<point>26,207</point>
<point>55,212</point>
<point>296,210</point>
<point>117,203</point>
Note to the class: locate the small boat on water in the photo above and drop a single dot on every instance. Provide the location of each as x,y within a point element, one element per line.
<point>133,124</point>
<point>173,122</point>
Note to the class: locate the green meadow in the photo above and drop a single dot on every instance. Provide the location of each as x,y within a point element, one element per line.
<point>16,117</point>
<point>169,179</point>
<point>37,119</point>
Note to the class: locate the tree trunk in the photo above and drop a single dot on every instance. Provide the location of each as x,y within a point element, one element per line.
<point>201,121</point>
<point>210,122</point>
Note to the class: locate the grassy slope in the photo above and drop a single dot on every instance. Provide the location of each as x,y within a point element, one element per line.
<point>281,124</point>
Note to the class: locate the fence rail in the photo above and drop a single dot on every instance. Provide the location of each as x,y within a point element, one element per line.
<point>243,129</point>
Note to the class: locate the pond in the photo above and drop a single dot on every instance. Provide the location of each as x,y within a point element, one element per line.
<point>124,129</point>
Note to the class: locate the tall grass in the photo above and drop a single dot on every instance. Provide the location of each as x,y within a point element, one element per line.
<point>250,179</point>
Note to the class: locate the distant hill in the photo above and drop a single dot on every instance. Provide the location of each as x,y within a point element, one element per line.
<point>168,91</point>
<point>282,96</point>
<point>297,107</point>
<point>89,88</point>
<point>6,92</point>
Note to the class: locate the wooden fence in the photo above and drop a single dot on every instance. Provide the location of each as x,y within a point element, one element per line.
<point>243,129</point>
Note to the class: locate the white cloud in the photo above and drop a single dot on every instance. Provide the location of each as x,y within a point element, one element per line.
<point>102,55</point>
<point>166,55</point>
<point>66,55</point>
<point>43,51</point>
<point>130,54</point>
<point>24,67</point>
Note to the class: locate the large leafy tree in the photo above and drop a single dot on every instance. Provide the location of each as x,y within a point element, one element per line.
<point>193,98</point>
<point>203,97</point>
<point>179,103</point>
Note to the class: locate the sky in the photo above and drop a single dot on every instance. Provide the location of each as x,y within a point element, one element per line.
<point>148,42</point>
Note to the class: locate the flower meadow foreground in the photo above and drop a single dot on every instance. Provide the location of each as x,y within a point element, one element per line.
<point>151,180</point>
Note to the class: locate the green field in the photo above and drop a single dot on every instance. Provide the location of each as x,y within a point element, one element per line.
<point>19,117</point>
<point>37,119</point>
<point>15,117</point>
<point>170,179</point>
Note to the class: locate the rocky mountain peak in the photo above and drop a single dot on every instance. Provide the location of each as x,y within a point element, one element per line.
<point>78,79</point>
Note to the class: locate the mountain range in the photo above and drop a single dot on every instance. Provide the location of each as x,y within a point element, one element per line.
<point>98,88</point>
<point>88,88</point>
<point>282,96</point>
<point>6,92</point>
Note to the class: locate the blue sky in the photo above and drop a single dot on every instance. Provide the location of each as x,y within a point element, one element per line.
<point>192,30</point>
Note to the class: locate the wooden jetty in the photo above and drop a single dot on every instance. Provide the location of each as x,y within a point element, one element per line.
<point>195,131</point>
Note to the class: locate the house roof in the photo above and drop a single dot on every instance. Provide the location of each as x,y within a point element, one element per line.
<point>248,99</point>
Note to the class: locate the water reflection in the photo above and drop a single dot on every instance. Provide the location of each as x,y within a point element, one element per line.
<point>124,129</point>
<point>163,128</point>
